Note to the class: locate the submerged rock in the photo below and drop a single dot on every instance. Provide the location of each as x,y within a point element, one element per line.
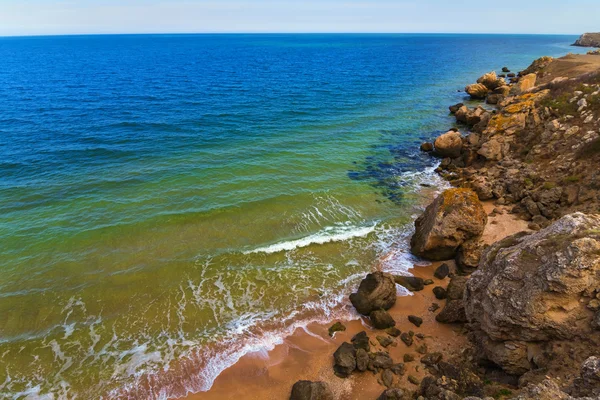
<point>453,218</point>
<point>307,390</point>
<point>337,327</point>
<point>376,291</point>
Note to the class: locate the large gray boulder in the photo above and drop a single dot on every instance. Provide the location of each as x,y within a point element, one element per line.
<point>454,217</point>
<point>538,287</point>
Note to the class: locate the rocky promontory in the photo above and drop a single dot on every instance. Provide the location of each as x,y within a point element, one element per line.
<point>588,40</point>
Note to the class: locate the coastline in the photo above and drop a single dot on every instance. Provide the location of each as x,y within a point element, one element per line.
<point>306,354</point>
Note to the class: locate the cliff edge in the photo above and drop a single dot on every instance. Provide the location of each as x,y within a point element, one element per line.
<point>588,40</point>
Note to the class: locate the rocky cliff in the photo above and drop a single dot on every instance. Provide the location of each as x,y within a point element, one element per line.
<point>588,40</point>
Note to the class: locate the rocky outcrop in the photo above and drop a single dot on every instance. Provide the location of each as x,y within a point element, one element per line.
<point>588,40</point>
<point>536,287</point>
<point>376,291</point>
<point>537,66</point>
<point>477,91</point>
<point>455,217</point>
<point>449,144</point>
<point>307,390</point>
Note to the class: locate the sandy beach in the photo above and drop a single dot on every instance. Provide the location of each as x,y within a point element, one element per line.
<point>307,354</point>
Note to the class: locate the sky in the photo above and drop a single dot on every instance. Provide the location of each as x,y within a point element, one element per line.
<point>57,17</point>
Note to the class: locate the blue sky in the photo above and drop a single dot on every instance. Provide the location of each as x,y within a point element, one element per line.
<point>34,17</point>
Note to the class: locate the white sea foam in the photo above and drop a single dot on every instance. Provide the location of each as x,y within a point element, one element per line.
<point>329,234</point>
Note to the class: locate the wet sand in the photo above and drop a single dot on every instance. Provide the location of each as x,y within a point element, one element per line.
<point>307,353</point>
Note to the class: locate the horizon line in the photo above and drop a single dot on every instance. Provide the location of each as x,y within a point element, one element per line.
<point>279,33</point>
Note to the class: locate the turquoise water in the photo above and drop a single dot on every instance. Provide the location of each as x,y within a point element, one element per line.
<point>170,202</point>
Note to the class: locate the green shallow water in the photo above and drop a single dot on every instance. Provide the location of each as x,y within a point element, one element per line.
<point>170,203</point>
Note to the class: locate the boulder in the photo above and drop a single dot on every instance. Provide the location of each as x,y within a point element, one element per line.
<point>448,145</point>
<point>381,319</point>
<point>588,384</point>
<point>455,108</point>
<point>362,360</point>
<point>416,321</point>
<point>307,390</point>
<point>454,217</point>
<point>442,271</point>
<point>468,256</point>
<point>494,98</point>
<point>477,91</point>
<point>381,360</point>
<point>337,327</point>
<point>505,69</point>
<point>524,84</point>
<point>461,114</point>
<point>453,312</point>
<point>528,288</point>
<point>361,341</point>
<point>491,80</point>
<point>344,360</point>
<point>376,291</point>
<point>394,394</point>
<point>426,147</point>
<point>412,283</point>
<point>439,293</point>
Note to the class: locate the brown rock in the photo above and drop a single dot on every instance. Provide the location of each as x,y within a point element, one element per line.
<point>453,218</point>
<point>448,145</point>
<point>376,291</point>
<point>477,91</point>
<point>427,147</point>
<point>307,390</point>
<point>381,319</point>
<point>524,84</point>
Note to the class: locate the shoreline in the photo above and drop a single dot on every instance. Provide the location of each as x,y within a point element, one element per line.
<point>306,353</point>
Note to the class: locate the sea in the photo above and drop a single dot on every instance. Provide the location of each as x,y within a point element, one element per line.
<point>169,203</point>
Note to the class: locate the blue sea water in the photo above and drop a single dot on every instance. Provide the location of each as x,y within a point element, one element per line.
<point>170,202</point>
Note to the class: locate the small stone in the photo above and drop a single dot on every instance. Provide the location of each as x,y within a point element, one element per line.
<point>393,331</point>
<point>337,327</point>
<point>431,359</point>
<point>415,320</point>
<point>384,341</point>
<point>439,293</point>
<point>422,348</point>
<point>420,336</point>
<point>362,360</point>
<point>382,360</point>
<point>442,271</point>
<point>381,319</point>
<point>387,377</point>
<point>399,369</point>
<point>409,358</point>
<point>407,339</point>
<point>434,307</point>
<point>361,341</point>
<point>428,282</point>
<point>412,283</point>
<point>594,305</point>
<point>307,390</point>
<point>413,380</point>
<point>427,147</point>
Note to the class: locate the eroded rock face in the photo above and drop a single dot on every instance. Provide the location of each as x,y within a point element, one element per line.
<point>537,65</point>
<point>307,390</point>
<point>530,288</point>
<point>454,217</point>
<point>588,40</point>
<point>449,144</point>
<point>376,291</point>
